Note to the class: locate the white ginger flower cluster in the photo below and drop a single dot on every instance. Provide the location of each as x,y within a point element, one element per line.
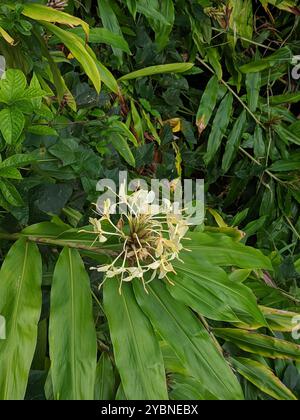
<point>151,240</point>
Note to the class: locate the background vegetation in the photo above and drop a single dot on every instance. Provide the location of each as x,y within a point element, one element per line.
<point>164,89</point>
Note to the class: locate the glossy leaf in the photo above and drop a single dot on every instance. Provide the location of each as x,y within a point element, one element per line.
<point>48,14</point>
<point>192,344</point>
<point>264,345</point>
<point>20,304</point>
<point>72,336</point>
<point>263,378</point>
<point>154,70</point>
<point>77,48</point>
<point>221,250</point>
<point>137,353</point>
<point>105,379</point>
<point>208,291</point>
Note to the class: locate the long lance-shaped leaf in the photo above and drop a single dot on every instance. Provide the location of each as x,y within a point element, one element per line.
<point>20,304</point>
<point>137,352</point>
<point>192,344</point>
<point>207,104</point>
<point>105,387</point>
<point>77,48</point>
<point>264,345</point>
<point>162,69</point>
<point>48,14</point>
<point>220,125</point>
<point>221,250</point>
<point>72,336</point>
<point>263,378</point>
<point>208,291</point>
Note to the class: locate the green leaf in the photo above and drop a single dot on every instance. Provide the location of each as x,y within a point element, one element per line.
<point>221,250</point>
<point>253,84</point>
<point>279,320</point>
<point>259,142</point>
<point>263,378</point>
<point>105,386</point>
<point>104,36</point>
<point>42,130</point>
<point>285,165</point>
<point>186,388</point>
<point>207,104</point>
<point>77,48</point>
<point>11,173</point>
<point>285,135</point>
<point>192,344</point>
<point>214,59</point>
<point>72,335</point>
<point>154,70</point>
<point>137,353</point>
<point>20,304</point>
<point>13,86</point>
<point>110,22</point>
<point>219,127</point>
<point>17,161</point>
<point>11,194</point>
<point>234,140</point>
<point>241,20</point>
<point>149,9</point>
<point>121,145</point>
<point>286,5</point>
<point>282,56</point>
<point>12,122</point>
<point>208,291</point>
<point>263,345</point>
<point>48,14</point>
<point>162,30</point>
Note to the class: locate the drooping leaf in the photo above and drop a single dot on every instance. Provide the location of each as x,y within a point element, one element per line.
<point>77,48</point>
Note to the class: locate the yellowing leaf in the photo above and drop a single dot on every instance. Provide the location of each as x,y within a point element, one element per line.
<point>6,36</point>
<point>48,14</point>
<point>175,124</point>
<point>178,159</point>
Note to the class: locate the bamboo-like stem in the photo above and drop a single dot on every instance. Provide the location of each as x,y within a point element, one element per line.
<point>57,242</point>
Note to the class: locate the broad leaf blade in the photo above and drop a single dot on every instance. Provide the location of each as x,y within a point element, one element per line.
<point>137,353</point>
<point>72,336</point>
<point>192,344</point>
<point>20,304</point>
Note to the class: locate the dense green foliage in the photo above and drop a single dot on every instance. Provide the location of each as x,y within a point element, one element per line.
<point>164,89</point>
